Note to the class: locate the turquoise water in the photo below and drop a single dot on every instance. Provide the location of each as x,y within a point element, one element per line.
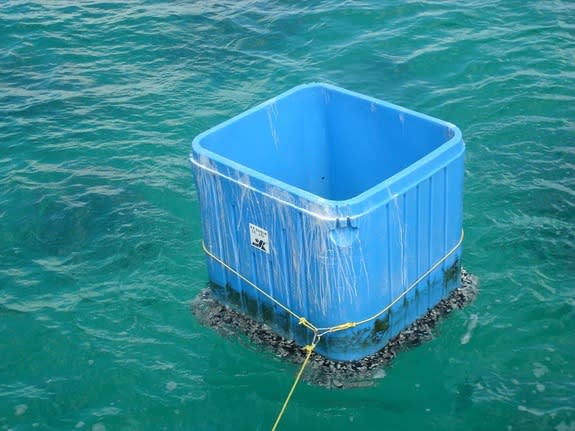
<point>99,230</point>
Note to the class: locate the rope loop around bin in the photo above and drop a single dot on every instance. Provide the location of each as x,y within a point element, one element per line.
<point>319,332</point>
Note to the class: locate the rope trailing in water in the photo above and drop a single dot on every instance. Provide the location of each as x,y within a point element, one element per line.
<point>320,332</point>
<point>309,349</point>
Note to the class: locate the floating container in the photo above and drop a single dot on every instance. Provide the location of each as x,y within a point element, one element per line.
<point>338,206</point>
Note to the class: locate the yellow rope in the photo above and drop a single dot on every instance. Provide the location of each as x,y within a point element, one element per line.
<point>309,348</point>
<point>319,332</point>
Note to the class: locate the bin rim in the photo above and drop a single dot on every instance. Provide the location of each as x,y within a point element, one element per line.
<point>199,151</point>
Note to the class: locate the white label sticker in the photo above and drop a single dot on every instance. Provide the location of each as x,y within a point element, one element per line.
<point>259,238</point>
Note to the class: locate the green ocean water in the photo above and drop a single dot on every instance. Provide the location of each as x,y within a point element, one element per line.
<point>100,253</point>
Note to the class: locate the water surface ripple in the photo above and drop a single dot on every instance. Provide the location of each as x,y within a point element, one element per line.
<point>100,235</point>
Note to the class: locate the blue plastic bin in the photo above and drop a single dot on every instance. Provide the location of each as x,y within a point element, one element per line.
<point>341,207</point>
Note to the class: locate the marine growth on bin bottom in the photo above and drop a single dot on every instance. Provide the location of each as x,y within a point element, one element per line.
<point>323,371</point>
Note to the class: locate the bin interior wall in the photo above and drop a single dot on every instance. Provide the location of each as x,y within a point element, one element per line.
<point>332,144</point>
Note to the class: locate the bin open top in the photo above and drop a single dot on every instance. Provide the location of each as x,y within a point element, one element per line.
<point>318,140</point>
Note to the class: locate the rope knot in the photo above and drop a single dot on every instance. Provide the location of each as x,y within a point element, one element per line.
<point>304,322</point>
